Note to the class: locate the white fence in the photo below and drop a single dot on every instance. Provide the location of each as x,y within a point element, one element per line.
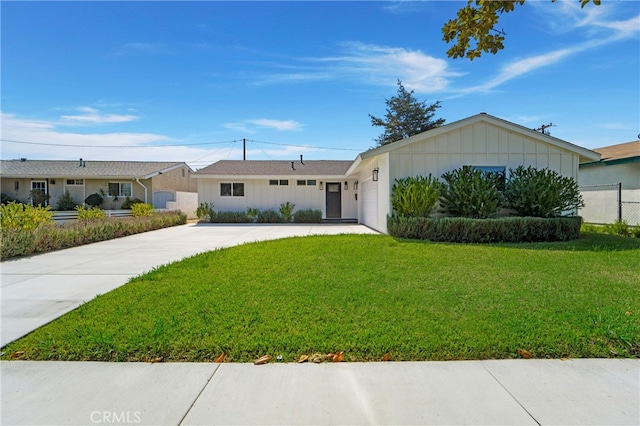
<point>609,203</point>
<point>70,216</point>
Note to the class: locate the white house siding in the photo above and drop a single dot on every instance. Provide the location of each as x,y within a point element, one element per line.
<point>479,144</point>
<point>369,205</point>
<point>260,195</point>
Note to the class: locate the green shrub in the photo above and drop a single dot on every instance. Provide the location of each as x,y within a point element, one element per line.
<point>23,216</point>
<point>229,217</point>
<point>38,197</point>
<point>128,202</point>
<point>204,212</point>
<point>269,216</point>
<point>92,213</point>
<point>498,230</point>
<point>93,200</point>
<point>252,213</point>
<point>5,199</point>
<point>470,192</point>
<point>286,210</point>
<point>142,209</point>
<point>65,202</point>
<point>415,196</point>
<point>308,216</point>
<point>619,227</point>
<point>20,242</point>
<point>541,192</point>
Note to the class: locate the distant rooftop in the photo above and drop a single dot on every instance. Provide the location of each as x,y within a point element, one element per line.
<point>276,168</point>
<point>619,151</point>
<point>86,169</point>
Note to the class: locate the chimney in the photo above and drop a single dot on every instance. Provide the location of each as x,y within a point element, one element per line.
<point>301,162</point>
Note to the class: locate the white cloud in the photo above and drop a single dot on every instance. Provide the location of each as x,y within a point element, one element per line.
<point>93,116</point>
<point>285,125</point>
<point>246,126</point>
<point>384,65</point>
<point>44,141</point>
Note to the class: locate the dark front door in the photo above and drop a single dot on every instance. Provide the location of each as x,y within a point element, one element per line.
<point>334,201</point>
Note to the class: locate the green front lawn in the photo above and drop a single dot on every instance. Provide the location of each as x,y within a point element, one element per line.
<point>366,295</point>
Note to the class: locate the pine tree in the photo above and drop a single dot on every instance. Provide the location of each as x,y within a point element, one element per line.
<point>405,117</point>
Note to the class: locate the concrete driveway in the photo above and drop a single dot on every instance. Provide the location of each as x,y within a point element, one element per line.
<point>38,289</point>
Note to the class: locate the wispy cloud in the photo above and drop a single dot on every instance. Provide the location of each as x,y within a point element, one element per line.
<point>384,65</point>
<point>93,116</point>
<point>370,64</point>
<point>249,126</point>
<point>618,30</point>
<point>133,49</point>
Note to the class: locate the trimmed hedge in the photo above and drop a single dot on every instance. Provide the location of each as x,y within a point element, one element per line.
<point>499,230</point>
<point>229,217</point>
<point>19,242</point>
<point>307,216</point>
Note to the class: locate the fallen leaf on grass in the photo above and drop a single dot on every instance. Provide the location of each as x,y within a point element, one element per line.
<point>564,359</point>
<point>303,358</point>
<point>524,353</point>
<point>628,313</point>
<point>154,360</point>
<point>262,360</point>
<point>317,358</point>
<point>338,357</point>
<point>386,357</point>
<point>220,358</point>
<point>17,354</point>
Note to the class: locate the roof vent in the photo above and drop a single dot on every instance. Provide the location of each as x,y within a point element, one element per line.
<point>292,168</point>
<point>301,162</point>
<point>82,163</point>
<point>23,159</point>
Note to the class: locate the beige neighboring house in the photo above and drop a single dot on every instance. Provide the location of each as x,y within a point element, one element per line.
<point>605,202</point>
<point>152,182</point>
<point>360,190</point>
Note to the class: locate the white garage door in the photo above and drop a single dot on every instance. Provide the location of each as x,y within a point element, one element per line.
<point>370,204</point>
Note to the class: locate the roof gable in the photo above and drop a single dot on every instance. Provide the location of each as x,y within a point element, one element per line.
<point>585,154</point>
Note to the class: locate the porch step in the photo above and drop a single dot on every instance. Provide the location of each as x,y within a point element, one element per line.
<point>340,220</point>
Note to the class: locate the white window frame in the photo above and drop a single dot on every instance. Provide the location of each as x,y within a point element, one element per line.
<point>233,189</point>
<point>74,182</point>
<point>120,193</point>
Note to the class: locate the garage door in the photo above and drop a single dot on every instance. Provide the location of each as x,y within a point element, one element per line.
<point>370,204</point>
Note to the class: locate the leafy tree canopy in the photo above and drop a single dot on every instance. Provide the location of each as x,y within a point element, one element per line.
<point>477,21</point>
<point>405,117</point>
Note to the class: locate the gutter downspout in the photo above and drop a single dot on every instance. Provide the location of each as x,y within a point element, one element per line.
<point>145,189</point>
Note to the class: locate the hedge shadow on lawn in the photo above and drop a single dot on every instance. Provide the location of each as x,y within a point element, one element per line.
<point>587,242</point>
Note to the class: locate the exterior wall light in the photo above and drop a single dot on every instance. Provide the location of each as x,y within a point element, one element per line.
<point>355,186</point>
<point>321,186</point>
<point>375,174</point>
<point>346,185</point>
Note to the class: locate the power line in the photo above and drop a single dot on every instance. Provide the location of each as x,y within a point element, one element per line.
<point>179,145</point>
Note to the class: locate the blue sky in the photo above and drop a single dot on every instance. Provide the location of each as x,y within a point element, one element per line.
<point>181,81</point>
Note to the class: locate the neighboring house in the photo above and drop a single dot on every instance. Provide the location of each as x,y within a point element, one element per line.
<point>619,164</point>
<point>151,182</point>
<point>363,186</point>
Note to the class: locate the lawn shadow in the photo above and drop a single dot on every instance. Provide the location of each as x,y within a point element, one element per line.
<point>587,242</point>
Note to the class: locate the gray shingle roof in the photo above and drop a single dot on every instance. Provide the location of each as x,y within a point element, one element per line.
<point>91,169</point>
<point>276,168</point>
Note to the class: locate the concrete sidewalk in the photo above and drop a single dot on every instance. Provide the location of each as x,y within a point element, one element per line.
<point>500,392</point>
<point>38,289</point>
